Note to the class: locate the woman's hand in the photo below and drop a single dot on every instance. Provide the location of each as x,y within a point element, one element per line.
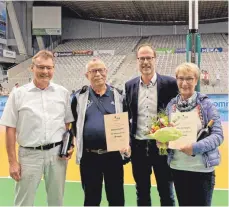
<point>187,149</point>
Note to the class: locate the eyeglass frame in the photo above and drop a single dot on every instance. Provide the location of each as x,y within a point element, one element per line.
<point>42,67</point>
<point>94,71</point>
<point>145,58</point>
<point>188,80</point>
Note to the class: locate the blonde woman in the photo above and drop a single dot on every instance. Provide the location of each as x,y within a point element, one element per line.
<point>193,165</point>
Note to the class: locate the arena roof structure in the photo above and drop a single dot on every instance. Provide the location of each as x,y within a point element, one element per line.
<point>146,12</point>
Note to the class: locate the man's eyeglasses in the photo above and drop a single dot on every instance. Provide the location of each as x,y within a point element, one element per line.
<point>188,80</point>
<point>42,67</point>
<point>94,71</point>
<point>142,59</point>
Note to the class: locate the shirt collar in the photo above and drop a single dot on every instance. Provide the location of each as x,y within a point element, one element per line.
<point>107,93</point>
<point>31,86</point>
<point>152,81</point>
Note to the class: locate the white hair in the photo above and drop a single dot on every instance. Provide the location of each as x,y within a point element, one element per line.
<point>95,60</point>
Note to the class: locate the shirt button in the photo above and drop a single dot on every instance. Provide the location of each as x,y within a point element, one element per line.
<point>147,97</point>
<point>147,107</point>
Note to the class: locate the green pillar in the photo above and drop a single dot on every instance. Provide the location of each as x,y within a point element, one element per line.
<point>193,50</point>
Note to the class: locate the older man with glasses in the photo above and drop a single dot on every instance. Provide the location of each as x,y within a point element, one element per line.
<point>89,106</point>
<point>36,116</point>
<point>145,97</point>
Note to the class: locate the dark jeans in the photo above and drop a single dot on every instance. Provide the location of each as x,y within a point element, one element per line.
<point>194,188</point>
<point>96,167</point>
<point>143,160</point>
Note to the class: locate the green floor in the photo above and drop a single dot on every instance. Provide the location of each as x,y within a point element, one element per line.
<point>74,195</point>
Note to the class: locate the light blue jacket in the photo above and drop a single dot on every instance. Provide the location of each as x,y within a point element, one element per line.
<point>207,147</point>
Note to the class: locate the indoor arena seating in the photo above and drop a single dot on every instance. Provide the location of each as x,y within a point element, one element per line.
<point>179,41</point>
<point>213,63</point>
<point>122,65</point>
<point>121,45</point>
<point>69,71</point>
<point>214,40</point>
<point>168,41</point>
<point>216,63</point>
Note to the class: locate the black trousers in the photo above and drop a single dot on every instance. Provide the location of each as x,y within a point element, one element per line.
<point>194,188</point>
<point>145,155</point>
<point>96,167</point>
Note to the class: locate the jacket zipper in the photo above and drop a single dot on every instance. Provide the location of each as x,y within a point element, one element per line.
<point>206,160</point>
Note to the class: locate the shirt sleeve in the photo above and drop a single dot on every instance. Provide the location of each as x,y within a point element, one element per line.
<point>68,114</point>
<point>10,114</point>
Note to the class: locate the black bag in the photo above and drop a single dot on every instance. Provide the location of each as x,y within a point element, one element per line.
<point>125,159</point>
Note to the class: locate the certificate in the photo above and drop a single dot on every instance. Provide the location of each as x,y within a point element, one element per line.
<point>186,122</point>
<point>117,131</point>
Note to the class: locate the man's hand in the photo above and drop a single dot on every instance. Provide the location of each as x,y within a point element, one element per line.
<point>15,171</point>
<point>70,152</point>
<point>187,149</point>
<point>126,151</point>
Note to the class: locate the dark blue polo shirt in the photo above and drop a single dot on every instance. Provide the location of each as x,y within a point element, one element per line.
<point>94,130</point>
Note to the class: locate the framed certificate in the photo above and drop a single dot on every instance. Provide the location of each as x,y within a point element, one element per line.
<point>117,131</point>
<point>186,122</point>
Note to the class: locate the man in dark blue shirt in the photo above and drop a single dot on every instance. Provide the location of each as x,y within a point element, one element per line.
<point>94,129</point>
<point>89,107</point>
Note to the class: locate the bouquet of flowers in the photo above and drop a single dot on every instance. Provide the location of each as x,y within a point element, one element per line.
<point>163,131</point>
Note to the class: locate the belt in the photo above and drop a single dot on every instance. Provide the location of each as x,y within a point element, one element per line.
<point>45,147</point>
<point>98,151</point>
<point>143,142</point>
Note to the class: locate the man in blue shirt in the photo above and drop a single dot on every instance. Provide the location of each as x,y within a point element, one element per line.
<point>89,106</point>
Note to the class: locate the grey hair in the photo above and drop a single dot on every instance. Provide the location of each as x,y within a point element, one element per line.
<point>94,60</point>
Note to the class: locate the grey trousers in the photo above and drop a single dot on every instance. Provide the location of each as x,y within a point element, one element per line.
<point>34,165</point>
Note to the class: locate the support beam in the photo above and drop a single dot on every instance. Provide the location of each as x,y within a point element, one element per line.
<point>194,37</point>
<point>16,28</point>
<point>29,12</point>
<point>40,42</point>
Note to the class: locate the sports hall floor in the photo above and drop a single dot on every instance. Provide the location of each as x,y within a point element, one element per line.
<point>73,191</point>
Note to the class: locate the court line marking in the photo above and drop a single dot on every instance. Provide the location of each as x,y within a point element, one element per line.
<point>75,181</point>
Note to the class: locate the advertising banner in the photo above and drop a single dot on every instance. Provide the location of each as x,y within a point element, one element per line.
<point>9,54</point>
<point>62,54</point>
<point>180,50</point>
<point>51,31</point>
<point>3,100</point>
<point>82,52</point>
<point>216,49</point>
<point>73,53</point>
<point>221,103</point>
<point>203,50</point>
